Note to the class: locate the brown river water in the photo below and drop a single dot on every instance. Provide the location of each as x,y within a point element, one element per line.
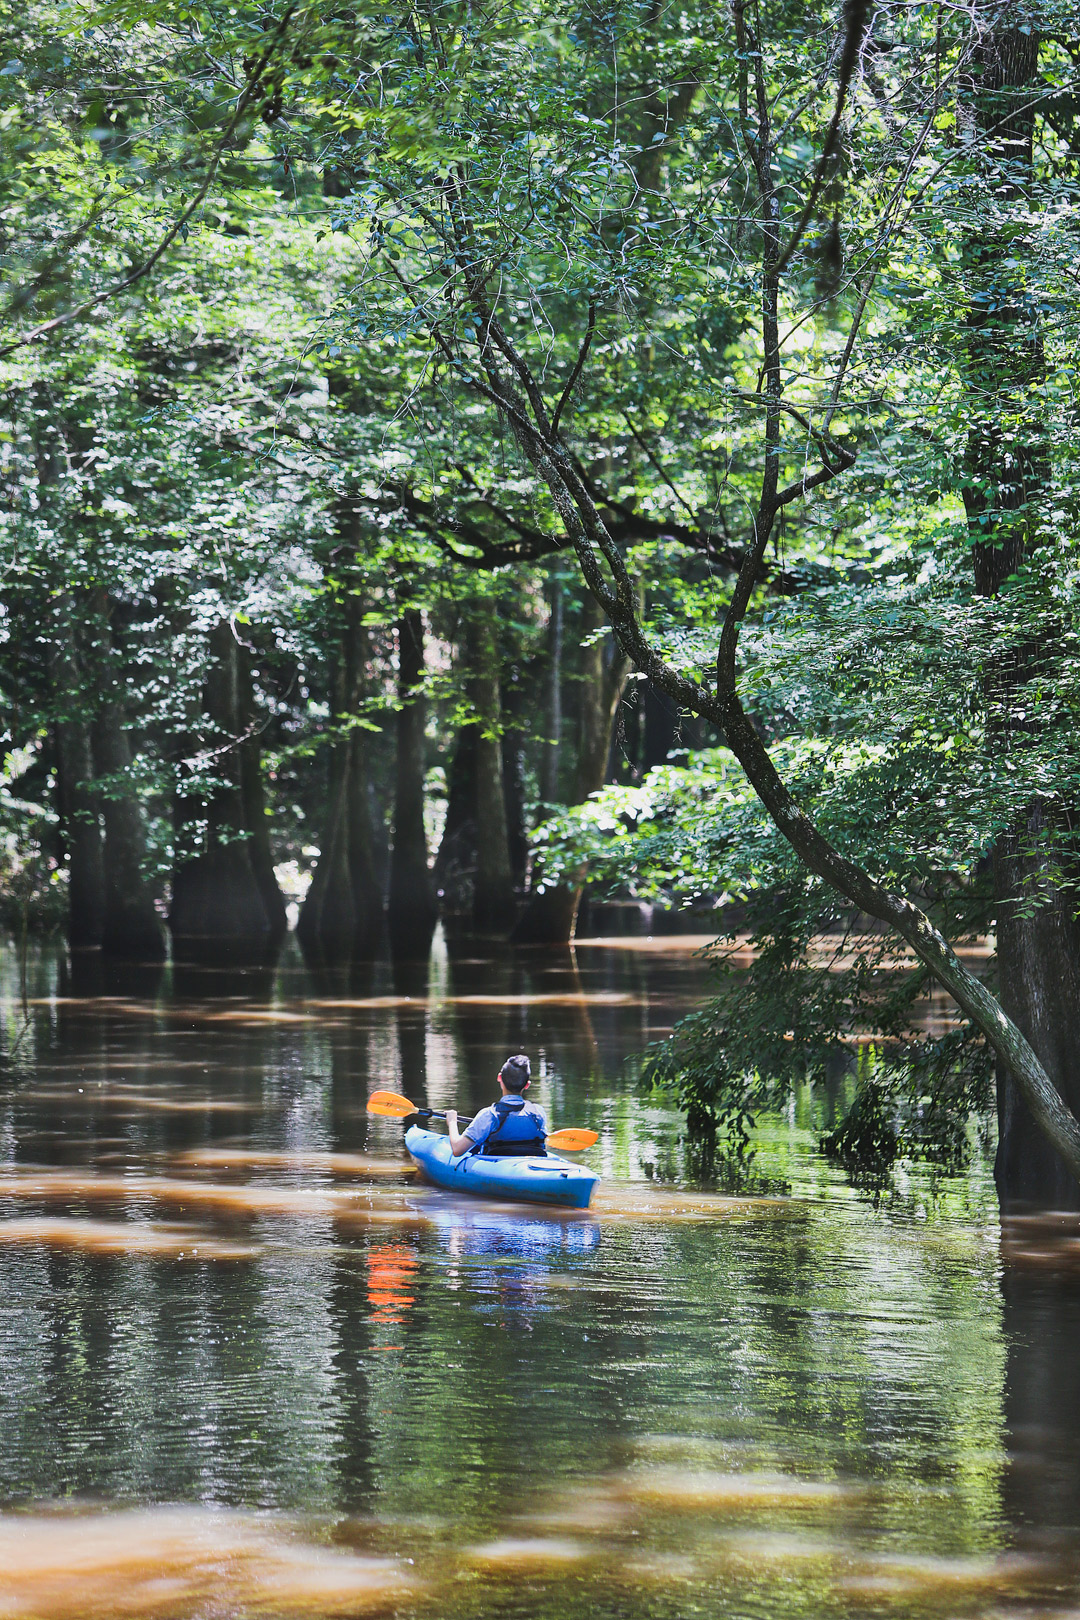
<point>249,1365</point>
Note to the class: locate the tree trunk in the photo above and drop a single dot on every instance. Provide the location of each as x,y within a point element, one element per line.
<point>77,799</point>
<point>132,931</point>
<point>455,863</point>
<point>493,891</point>
<point>218,907</point>
<point>342,913</point>
<point>1038,942</point>
<point>661,724</point>
<point>412,911</point>
<point>327,923</point>
<point>550,915</point>
<point>256,817</point>
<point>367,893</point>
<point>549,769</point>
<point>1038,958</point>
<point>80,828</point>
<point>514,791</point>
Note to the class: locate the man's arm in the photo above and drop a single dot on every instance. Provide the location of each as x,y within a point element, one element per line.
<point>458,1144</point>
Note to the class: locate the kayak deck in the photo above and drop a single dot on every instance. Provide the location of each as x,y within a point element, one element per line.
<point>550,1180</point>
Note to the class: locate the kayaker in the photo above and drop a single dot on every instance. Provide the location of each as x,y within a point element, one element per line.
<point>509,1126</point>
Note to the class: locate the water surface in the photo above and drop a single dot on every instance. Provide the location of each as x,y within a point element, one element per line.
<point>248,1365</point>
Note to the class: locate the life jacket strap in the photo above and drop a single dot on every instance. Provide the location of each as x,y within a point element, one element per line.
<point>532,1147</point>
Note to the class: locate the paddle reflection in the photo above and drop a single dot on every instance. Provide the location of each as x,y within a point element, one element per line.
<point>391,1269</point>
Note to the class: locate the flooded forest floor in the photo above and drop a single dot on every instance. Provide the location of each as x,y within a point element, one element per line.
<point>249,1364</point>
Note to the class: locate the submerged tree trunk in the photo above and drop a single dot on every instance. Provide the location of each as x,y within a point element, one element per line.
<point>222,905</point>
<point>550,915</point>
<point>342,912</point>
<point>411,908</point>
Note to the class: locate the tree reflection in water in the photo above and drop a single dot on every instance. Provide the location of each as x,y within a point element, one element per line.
<point>223,1287</point>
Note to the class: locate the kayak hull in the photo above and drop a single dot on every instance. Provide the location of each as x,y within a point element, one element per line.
<point>550,1180</point>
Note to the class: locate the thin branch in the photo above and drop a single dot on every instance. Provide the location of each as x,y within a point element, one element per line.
<point>26,294</point>
<point>253,86</point>
<point>657,466</point>
<point>583,354</point>
<point>857,16</point>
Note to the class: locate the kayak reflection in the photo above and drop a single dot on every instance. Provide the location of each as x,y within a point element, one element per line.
<point>518,1244</point>
<point>470,1228</point>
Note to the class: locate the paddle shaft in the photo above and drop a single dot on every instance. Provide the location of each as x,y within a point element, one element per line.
<point>392,1105</point>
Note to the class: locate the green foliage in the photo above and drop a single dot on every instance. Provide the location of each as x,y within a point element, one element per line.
<point>281,248</point>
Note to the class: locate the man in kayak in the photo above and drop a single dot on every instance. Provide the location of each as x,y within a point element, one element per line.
<point>509,1126</point>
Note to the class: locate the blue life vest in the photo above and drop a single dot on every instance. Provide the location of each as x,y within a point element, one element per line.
<point>518,1131</point>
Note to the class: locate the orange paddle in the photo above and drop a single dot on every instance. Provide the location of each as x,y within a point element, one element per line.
<point>394,1106</point>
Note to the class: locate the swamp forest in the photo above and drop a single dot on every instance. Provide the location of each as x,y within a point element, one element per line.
<point>544,529</point>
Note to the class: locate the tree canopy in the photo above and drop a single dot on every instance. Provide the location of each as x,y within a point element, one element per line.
<point>468,450</point>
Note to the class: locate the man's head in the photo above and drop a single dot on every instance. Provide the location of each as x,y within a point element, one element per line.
<point>515,1074</point>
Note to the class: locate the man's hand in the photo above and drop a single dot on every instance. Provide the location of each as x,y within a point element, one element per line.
<point>458,1144</point>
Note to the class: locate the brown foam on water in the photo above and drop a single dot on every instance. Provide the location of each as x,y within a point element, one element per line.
<point>527,1553</point>
<point>137,1238</point>
<point>685,1489</point>
<point>96,1095</point>
<point>764,1549</point>
<point>640,1203</point>
<point>234,1198</point>
<point>895,1574</point>
<point>176,1563</point>
<point>585,1511</point>
<point>659,1569</point>
<point>334,1164</point>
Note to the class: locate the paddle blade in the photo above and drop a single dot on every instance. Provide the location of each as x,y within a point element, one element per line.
<point>572,1141</point>
<point>391,1104</point>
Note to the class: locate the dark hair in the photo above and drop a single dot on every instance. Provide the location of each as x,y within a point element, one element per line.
<point>515,1073</point>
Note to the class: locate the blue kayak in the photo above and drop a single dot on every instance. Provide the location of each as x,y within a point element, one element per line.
<point>548,1180</point>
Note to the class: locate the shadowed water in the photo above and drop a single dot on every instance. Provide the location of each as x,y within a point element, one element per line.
<point>249,1364</point>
